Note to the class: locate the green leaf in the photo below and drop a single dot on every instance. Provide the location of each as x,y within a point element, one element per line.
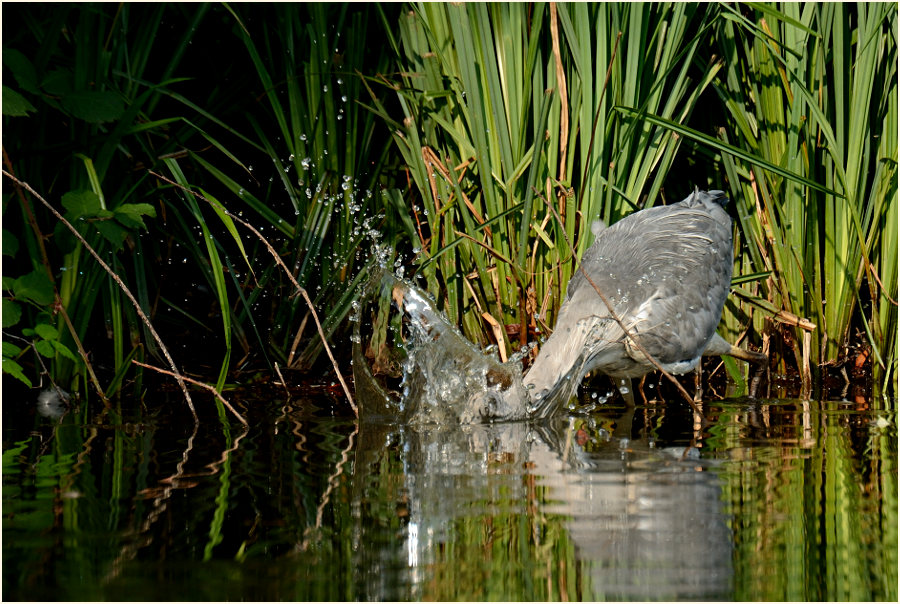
<point>81,203</point>
<point>14,104</point>
<point>22,70</point>
<point>777,14</point>
<point>35,286</point>
<point>15,370</point>
<point>738,279</point>
<point>10,349</point>
<point>63,238</point>
<point>45,348</point>
<point>12,312</point>
<point>10,244</point>
<point>112,232</point>
<point>63,350</point>
<point>94,106</point>
<point>131,215</point>
<point>58,82</point>
<point>48,332</point>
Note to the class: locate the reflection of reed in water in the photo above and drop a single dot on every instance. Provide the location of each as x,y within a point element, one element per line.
<point>487,511</point>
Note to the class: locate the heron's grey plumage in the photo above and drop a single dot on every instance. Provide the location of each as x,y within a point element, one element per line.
<point>667,271</point>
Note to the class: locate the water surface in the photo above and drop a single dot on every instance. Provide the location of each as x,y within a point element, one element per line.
<point>773,500</point>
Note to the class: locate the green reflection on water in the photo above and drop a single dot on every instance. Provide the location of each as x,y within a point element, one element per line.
<point>812,492</point>
<point>310,507</point>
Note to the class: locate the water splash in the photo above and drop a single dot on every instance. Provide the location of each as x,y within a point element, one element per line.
<point>444,378</point>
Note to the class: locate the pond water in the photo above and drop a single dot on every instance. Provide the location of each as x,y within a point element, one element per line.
<point>772,500</point>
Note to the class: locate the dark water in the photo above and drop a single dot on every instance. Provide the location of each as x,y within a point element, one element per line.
<point>773,500</point>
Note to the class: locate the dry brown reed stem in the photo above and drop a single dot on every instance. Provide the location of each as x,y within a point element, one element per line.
<point>281,377</point>
<point>121,285</point>
<point>196,383</point>
<point>563,94</point>
<point>57,301</point>
<point>290,276</point>
<point>618,320</point>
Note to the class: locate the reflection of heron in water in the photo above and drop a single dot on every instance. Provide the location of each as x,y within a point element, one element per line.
<point>666,271</point>
<point>643,522</point>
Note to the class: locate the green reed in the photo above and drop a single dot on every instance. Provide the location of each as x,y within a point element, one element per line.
<point>504,114</point>
<point>813,88</point>
<point>506,109</point>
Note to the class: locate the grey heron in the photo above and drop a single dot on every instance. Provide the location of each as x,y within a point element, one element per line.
<point>666,271</point>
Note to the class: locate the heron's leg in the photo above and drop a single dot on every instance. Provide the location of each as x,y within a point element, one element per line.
<point>640,389</point>
<point>625,389</point>
<point>698,383</point>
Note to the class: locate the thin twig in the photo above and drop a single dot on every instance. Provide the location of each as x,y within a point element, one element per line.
<point>121,285</point>
<point>280,262</point>
<point>196,383</point>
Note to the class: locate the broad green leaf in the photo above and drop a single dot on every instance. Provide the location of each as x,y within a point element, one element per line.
<point>63,350</point>
<point>22,70</point>
<point>14,104</point>
<point>10,243</point>
<point>48,332</point>
<point>112,232</point>
<point>45,348</point>
<point>58,82</point>
<point>35,286</point>
<point>131,214</point>
<point>12,312</point>
<point>81,203</point>
<point>94,106</point>
<point>15,370</point>
<point>10,349</point>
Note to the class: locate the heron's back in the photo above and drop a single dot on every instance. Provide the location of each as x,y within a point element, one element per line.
<point>666,271</point>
